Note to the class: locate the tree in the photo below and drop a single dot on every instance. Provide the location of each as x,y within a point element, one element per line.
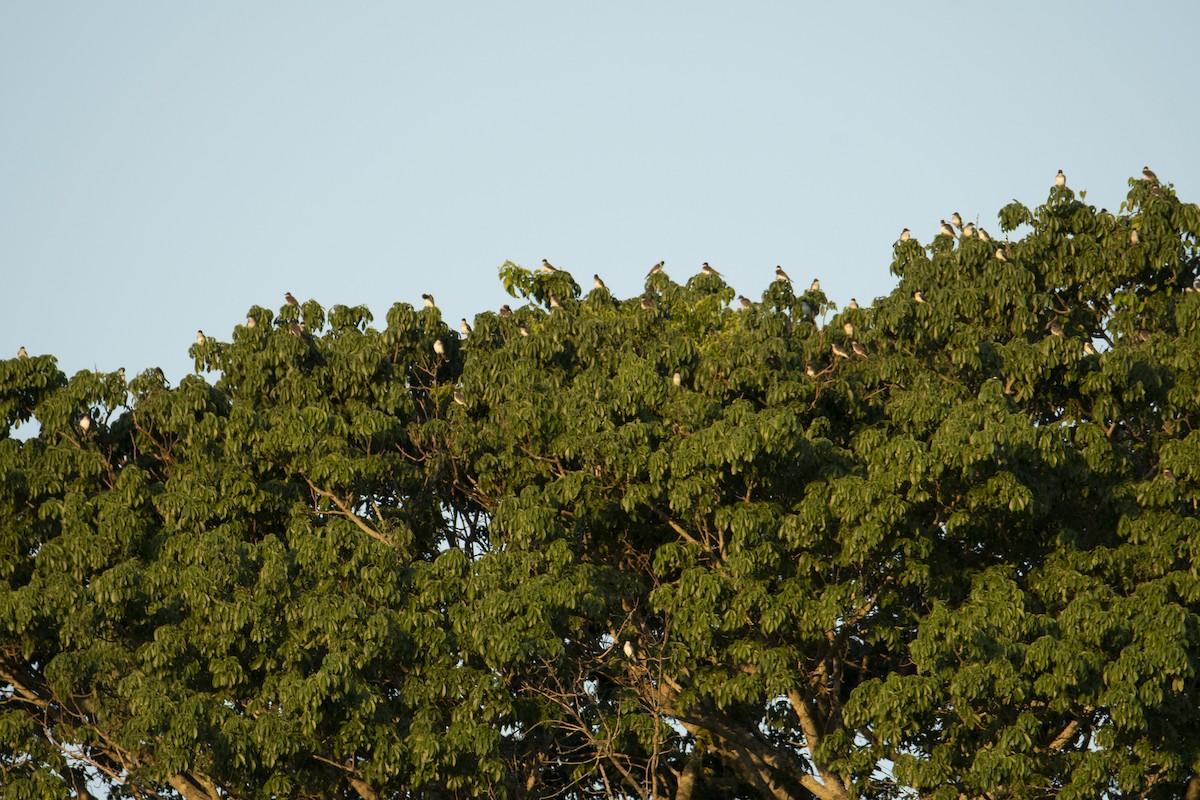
<point>649,547</point>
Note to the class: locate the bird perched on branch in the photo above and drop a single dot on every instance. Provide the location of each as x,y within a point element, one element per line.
<point>505,310</point>
<point>839,352</point>
<point>291,301</point>
<point>201,339</point>
<point>905,235</point>
<point>459,397</point>
<point>747,304</point>
<point>547,267</point>
<point>647,303</point>
<point>1148,174</point>
<point>429,302</point>
<point>465,327</point>
<point>782,276</point>
<point>919,296</point>
<point>1060,180</point>
<point>22,352</point>
<point>597,282</point>
<point>946,230</point>
<point>707,270</point>
<point>438,347</point>
<point>815,286</point>
<point>956,220</point>
<point>657,268</point>
<point>858,349</point>
<point>295,329</point>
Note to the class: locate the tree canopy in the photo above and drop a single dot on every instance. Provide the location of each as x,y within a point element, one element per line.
<point>943,545</point>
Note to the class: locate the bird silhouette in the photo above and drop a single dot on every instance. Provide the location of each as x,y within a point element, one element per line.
<point>968,230</point>
<point>946,230</point>
<point>523,329</point>
<point>853,303</point>
<point>1057,329</point>
<point>983,236</point>
<point>1000,254</point>
<point>295,329</point>
<point>554,303</point>
<point>647,303</point>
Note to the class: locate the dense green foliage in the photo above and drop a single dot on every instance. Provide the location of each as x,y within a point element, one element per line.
<point>659,546</point>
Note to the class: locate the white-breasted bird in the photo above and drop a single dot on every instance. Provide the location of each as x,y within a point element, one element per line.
<point>295,329</point>
<point>1060,179</point>
<point>809,371</point>
<point>968,230</point>
<point>956,220</point>
<point>505,310</point>
<point>554,303</point>
<point>677,379</point>
<point>858,349</point>
<point>627,649</point>
<point>848,329</point>
<point>429,302</point>
<point>85,423</point>
<point>1133,236</point>
<point>946,230</point>
<point>1000,254</point>
<point>657,268</point>
<point>465,327</point>
<point>291,301</point>
<point>905,235</point>
<point>599,284</point>
<point>547,267</point>
<point>201,339</point>
<point>523,329</point>
<point>647,303</point>
<point>707,270</point>
<point>746,302</point>
<point>983,236</point>
<point>22,352</point>
<point>780,275</point>
<point>1057,329</point>
<point>438,347</point>
<point>459,397</point>
<point>815,286</point>
<point>1089,349</point>
<point>919,296</point>
<point>1149,175</point>
<point>251,322</point>
<point>838,351</point>
<point>853,303</point>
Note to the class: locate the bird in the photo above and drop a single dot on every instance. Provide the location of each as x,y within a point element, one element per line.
<point>598,283</point>
<point>745,301</point>
<point>85,422</point>
<point>677,379</point>
<point>848,328</point>
<point>780,275</point>
<point>295,329</point>
<point>968,229</point>
<point>1195,286</point>
<point>548,267</point>
<point>707,270</point>
<point>1057,329</point>
<point>1000,254</point>
<point>1169,474</point>
<point>459,397</point>
<point>809,371</point>
<point>465,327</point>
<point>657,268</point>
<point>438,347</point>
<point>983,236</point>
<point>250,322</point>
<point>121,373</point>
<point>554,302</point>
<point>853,303</point>
<point>291,301</point>
<point>505,311</point>
<point>815,286</point>
<point>22,352</point>
<point>429,301</point>
<point>956,220</point>
<point>647,303</point>
<point>628,649</point>
<point>858,349</point>
<point>1149,175</point>
<point>1143,336</point>
<point>201,339</point>
<point>919,296</point>
<point>1133,236</point>
<point>1060,179</point>
<point>1089,349</point>
<point>905,235</point>
<point>523,328</point>
<point>946,230</point>
<point>839,352</point>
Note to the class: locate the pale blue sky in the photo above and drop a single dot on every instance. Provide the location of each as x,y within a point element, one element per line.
<point>164,166</point>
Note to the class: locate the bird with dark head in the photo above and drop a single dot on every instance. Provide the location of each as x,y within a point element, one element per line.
<point>201,339</point>
<point>597,282</point>
<point>295,329</point>
<point>291,301</point>
<point>465,327</point>
<point>22,352</point>
<point>429,301</point>
<point>707,270</point>
<point>745,302</point>
<point>505,310</point>
<point>1060,180</point>
<point>905,235</point>
<point>956,220</point>
<point>647,303</point>
<point>657,268</point>
<point>781,276</point>
<point>1148,174</point>
<point>815,286</point>
<point>547,267</point>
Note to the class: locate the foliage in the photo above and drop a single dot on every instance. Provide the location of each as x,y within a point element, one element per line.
<point>632,548</point>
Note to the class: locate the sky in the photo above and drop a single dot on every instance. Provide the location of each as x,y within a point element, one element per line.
<point>165,166</point>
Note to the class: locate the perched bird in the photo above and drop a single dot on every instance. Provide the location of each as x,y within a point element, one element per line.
<point>1149,175</point>
<point>429,302</point>
<point>1060,179</point>
<point>1169,474</point>
<point>745,301</point>
<point>647,303</point>
<point>1195,286</point>
<point>809,371</point>
<point>548,267</point>
<point>121,373</point>
<point>22,352</point>
<point>295,329</point>
<point>1000,254</point>
<point>780,275</point>
<point>465,327</point>
<point>1133,236</point>
<point>523,328</point>
<point>815,286</point>
<point>554,302</point>
<point>946,230</point>
<point>291,301</point>
<point>848,328</point>
<point>251,322</point>
<point>968,229</point>
<point>628,649</point>
<point>905,235</point>
<point>919,296</point>
<point>858,349</point>
<point>201,339</point>
<point>983,236</point>
<point>707,270</point>
<point>1057,329</point>
<point>1089,349</point>
<point>505,311</point>
<point>438,347</point>
<point>598,283</point>
<point>1143,336</point>
<point>677,379</point>
<point>85,423</point>
<point>956,220</point>
<point>657,268</point>
<point>839,352</point>
<point>853,303</point>
<point>459,397</point>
